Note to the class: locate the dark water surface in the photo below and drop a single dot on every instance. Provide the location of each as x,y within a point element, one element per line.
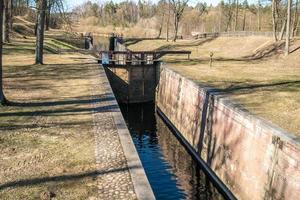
<point>170,169</point>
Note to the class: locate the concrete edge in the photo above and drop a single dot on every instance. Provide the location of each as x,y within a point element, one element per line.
<point>140,181</point>
<point>240,110</point>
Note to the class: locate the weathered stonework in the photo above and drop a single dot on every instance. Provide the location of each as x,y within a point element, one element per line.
<point>133,84</point>
<point>255,159</point>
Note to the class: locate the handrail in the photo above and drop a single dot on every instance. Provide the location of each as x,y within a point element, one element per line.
<point>114,58</point>
<point>146,52</point>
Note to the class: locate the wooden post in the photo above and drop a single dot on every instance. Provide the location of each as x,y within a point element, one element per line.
<point>128,86</point>
<point>143,75</point>
<point>128,58</point>
<point>211,54</point>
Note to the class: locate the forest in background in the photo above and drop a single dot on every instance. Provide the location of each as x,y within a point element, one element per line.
<point>163,19</point>
<point>167,18</point>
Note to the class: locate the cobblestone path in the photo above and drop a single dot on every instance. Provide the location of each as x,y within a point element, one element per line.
<point>114,181</point>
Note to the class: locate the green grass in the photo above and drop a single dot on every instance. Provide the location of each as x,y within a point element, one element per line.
<point>61,45</point>
<point>27,46</point>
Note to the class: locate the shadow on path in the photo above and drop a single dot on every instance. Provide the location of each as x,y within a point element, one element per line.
<point>71,177</point>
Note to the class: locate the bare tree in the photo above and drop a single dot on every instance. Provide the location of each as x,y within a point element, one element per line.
<point>245,8</point>
<point>258,16</point>
<point>282,29</point>
<point>42,4</point>
<point>177,7</point>
<point>168,20</point>
<point>296,18</point>
<point>160,13</point>
<point>288,28</point>
<point>236,14</point>
<point>228,14</point>
<point>10,17</point>
<point>221,6</point>
<point>6,17</point>
<point>2,97</point>
<point>274,19</point>
<point>48,13</point>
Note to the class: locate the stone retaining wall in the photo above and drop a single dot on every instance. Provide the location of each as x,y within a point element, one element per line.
<point>133,84</point>
<point>255,159</point>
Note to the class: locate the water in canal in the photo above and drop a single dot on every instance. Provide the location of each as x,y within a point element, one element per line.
<point>170,169</point>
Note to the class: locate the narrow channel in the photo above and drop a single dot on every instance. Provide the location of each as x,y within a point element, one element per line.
<point>171,171</point>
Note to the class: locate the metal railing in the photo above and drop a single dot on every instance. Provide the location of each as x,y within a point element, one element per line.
<point>232,34</point>
<point>135,57</point>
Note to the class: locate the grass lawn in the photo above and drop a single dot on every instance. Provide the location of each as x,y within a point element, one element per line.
<point>250,70</point>
<point>46,137</point>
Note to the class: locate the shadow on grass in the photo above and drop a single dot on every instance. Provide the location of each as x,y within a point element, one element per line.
<point>71,177</point>
<point>63,111</point>
<point>131,41</point>
<point>59,103</point>
<point>193,44</point>
<point>61,125</point>
<point>14,50</point>
<point>247,87</point>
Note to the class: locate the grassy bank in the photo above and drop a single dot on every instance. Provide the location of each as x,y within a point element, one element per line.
<point>46,136</point>
<point>250,70</point>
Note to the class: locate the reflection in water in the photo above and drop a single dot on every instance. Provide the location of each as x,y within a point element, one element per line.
<point>171,171</point>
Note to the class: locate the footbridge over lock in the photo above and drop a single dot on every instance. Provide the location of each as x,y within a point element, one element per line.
<point>134,74</point>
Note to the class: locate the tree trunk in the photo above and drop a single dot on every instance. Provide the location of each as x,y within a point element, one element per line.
<point>274,21</point>
<point>282,30</point>
<point>11,9</point>
<point>229,16</point>
<point>48,15</point>
<point>168,20</point>
<point>244,19</point>
<point>36,23</point>
<point>161,25</point>
<point>2,97</point>
<point>6,21</point>
<point>258,16</point>
<point>296,28</point>
<point>236,14</point>
<point>220,18</point>
<point>296,19</point>
<point>160,28</point>
<point>3,21</point>
<point>47,20</point>
<point>288,27</point>
<point>40,32</point>
<point>176,21</point>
